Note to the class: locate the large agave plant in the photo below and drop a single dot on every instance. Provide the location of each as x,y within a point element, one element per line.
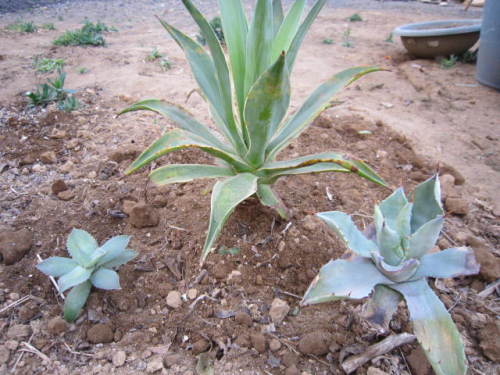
<point>248,98</point>
<point>393,260</point>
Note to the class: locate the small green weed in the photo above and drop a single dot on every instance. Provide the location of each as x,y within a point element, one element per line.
<point>23,27</point>
<point>355,18</point>
<point>45,65</point>
<point>346,38</point>
<point>69,104</point>
<point>468,57</point>
<point>327,41</point>
<point>448,63</point>
<point>48,26</point>
<point>389,38</point>
<point>154,55</point>
<point>165,64</point>
<point>53,91</point>
<point>89,35</point>
<point>82,70</point>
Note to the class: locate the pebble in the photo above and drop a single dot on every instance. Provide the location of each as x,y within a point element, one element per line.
<point>457,206</point>
<point>57,134</point>
<point>119,358</point>
<point>58,186</point>
<point>192,293</point>
<point>66,195</point>
<point>48,157</point>
<point>375,371</point>
<point>174,299</point>
<point>447,186</point>
<point>279,310</point>
<point>258,342</point>
<point>243,318</point>
<point>38,168</point>
<point>172,359</point>
<point>292,370</point>
<point>200,346</point>
<point>274,345</point>
<point>316,343</point>
<point>14,245</point>
<point>100,334</point>
<point>67,167</point>
<point>489,263</point>
<point>155,363</point>
<point>143,215</point>
<point>418,362</point>
<point>311,223</point>
<point>290,359</point>
<point>57,325</point>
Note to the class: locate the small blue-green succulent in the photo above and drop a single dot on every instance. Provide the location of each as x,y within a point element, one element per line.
<point>90,264</point>
<point>393,259</point>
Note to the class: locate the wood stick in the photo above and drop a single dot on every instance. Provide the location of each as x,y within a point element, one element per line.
<point>386,345</point>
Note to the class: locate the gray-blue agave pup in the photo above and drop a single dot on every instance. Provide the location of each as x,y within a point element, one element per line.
<point>394,261</point>
<point>89,265</point>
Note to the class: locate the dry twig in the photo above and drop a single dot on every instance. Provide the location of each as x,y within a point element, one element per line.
<point>16,303</point>
<point>52,280</point>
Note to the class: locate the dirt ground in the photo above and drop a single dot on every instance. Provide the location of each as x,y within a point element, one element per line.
<point>422,118</point>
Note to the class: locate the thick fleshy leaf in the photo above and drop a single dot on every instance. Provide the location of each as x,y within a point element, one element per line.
<point>402,272</point>
<point>75,300</point>
<point>426,203</point>
<point>113,247</point>
<point>235,26</point>
<point>176,173</point>
<point>425,237</point>
<point>226,195</point>
<point>343,225</point>
<point>354,166</point>
<point>81,245</point>
<point>106,279</point>
<point>180,117</point>
<point>205,73</point>
<point>277,15</point>
<point>315,168</point>
<point>76,276</point>
<point>392,206</point>
<point>382,305</point>
<point>119,260</point>
<point>434,328</point>
<point>259,41</point>
<point>265,106</point>
<point>221,69</point>
<point>403,221</point>
<point>56,266</point>
<point>301,33</point>
<point>313,106</point>
<point>389,243</point>
<point>453,262</point>
<point>269,198</point>
<point>178,139</point>
<point>344,279</point>
<point>288,29</point>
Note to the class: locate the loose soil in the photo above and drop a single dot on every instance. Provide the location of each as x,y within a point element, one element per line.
<point>420,120</point>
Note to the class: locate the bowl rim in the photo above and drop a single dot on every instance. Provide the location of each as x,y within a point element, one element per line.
<point>435,28</point>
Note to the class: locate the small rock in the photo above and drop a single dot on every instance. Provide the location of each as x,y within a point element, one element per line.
<point>172,359</point>
<point>100,334</point>
<point>19,331</point>
<point>316,343</point>
<point>242,341</point>
<point>57,325</point>
<point>119,358</point>
<point>58,186</point>
<point>66,195</point>
<point>457,206</point>
<point>48,157</point>
<point>311,223</point>
<point>28,311</point>
<point>57,134</point>
<point>14,245</point>
<point>290,359</point>
<point>243,318</point>
<point>489,342</point>
<point>375,371</point>
<point>128,205</point>
<point>38,168</point>
<point>174,299</point>
<point>274,345</point>
<point>200,346</point>
<point>122,155</point>
<point>258,342</point>
<point>292,370</point>
<point>489,263</point>
<point>234,277</point>
<point>447,186</point>
<point>418,363</point>
<point>159,201</point>
<point>192,293</point>
<point>155,363</point>
<point>279,310</point>
<point>4,355</point>
<point>67,167</point>
<point>108,169</point>
<point>447,169</point>
<point>27,159</point>
<point>143,216</point>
